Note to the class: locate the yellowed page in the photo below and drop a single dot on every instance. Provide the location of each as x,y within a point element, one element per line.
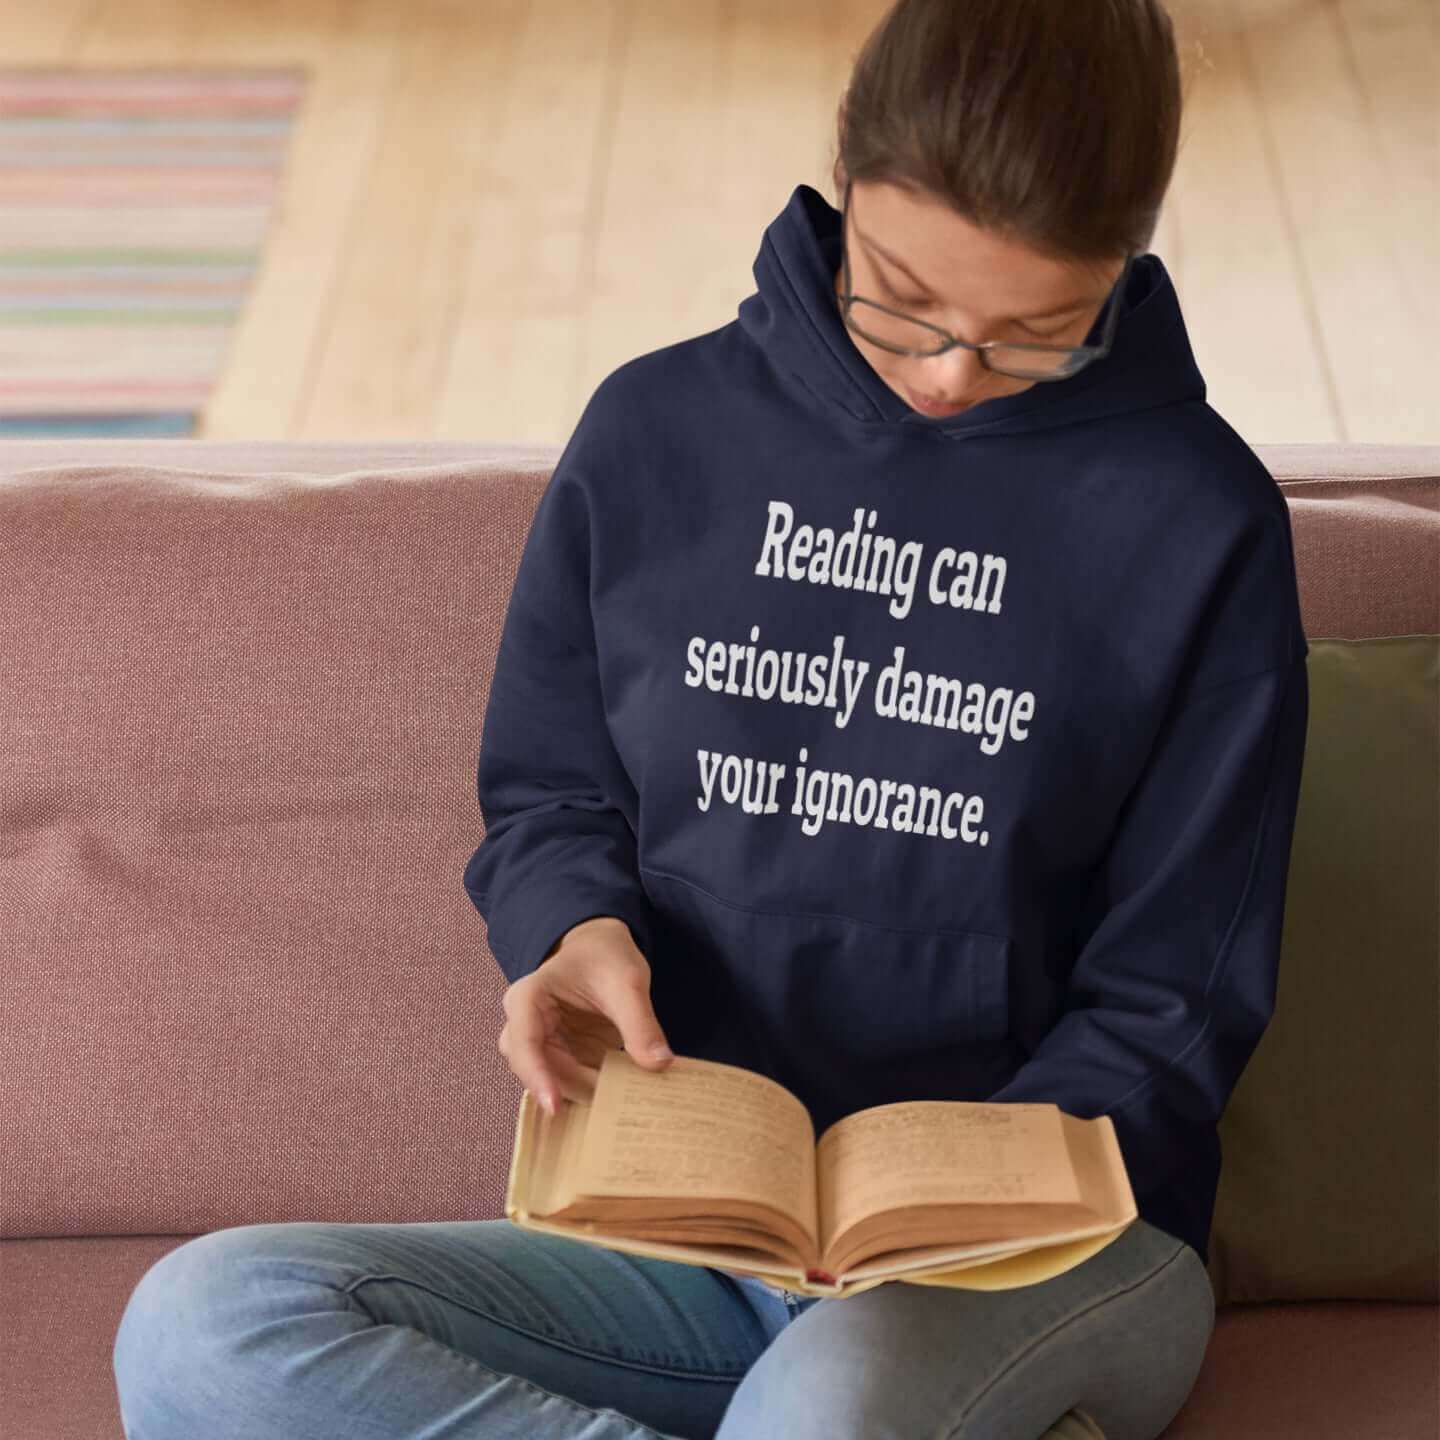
<point>698,1128</point>
<point>1030,1267</point>
<point>943,1152</point>
<point>545,1157</point>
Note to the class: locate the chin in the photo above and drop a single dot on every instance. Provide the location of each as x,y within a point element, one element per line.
<point>913,401</point>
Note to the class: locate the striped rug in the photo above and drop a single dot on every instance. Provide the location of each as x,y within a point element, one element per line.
<point>133,209</point>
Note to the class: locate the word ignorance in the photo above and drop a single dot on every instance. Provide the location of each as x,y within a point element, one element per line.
<point>819,796</point>
<point>877,564</point>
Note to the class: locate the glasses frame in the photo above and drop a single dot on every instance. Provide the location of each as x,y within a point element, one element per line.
<point>1086,354</point>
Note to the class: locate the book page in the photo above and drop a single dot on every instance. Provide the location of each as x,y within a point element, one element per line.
<point>943,1152</point>
<point>699,1128</point>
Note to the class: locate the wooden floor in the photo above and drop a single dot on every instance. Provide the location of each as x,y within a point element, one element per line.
<point>492,203</point>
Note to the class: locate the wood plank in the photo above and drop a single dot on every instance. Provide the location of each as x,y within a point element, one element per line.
<point>657,176</point>
<point>1393,47</point>
<point>48,34</point>
<point>1246,302</point>
<point>1336,195</point>
<point>348,47</point>
<point>518,364</point>
<point>380,364</point>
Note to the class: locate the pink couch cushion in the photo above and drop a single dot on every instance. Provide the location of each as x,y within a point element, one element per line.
<point>1269,1372</point>
<point>62,1302</point>
<point>240,723</point>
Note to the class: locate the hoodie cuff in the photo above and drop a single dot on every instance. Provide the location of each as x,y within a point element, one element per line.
<point>550,913</point>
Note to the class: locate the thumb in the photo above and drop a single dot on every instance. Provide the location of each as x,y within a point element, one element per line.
<point>640,1031</point>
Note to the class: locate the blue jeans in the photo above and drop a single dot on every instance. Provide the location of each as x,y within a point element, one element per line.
<point>458,1330</point>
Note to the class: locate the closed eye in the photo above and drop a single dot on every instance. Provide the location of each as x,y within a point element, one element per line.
<point>908,301</point>
<point>1045,334</point>
<point>912,303</point>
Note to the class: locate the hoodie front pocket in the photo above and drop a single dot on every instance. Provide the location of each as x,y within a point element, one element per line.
<point>845,1009</point>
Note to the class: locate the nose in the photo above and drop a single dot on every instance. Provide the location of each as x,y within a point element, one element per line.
<point>951,378</point>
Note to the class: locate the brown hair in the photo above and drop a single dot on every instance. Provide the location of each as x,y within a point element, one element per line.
<point>1053,122</point>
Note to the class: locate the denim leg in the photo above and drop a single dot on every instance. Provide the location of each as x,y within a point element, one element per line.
<point>429,1331</point>
<point>1122,1336</point>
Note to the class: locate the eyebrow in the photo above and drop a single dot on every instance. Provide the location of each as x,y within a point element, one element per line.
<point>914,279</point>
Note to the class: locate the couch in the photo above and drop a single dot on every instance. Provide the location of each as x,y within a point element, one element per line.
<point>241,692</point>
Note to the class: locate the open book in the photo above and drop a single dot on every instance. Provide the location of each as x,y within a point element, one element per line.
<point>713,1165</point>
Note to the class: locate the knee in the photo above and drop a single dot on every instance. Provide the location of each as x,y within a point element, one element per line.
<point>822,1378</point>
<point>174,1307</point>
<point>1131,1363</point>
<point>185,1319</point>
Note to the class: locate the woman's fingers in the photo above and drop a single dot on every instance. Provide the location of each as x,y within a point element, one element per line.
<point>576,1081</point>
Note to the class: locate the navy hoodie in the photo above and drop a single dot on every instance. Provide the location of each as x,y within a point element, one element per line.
<point>948,759</point>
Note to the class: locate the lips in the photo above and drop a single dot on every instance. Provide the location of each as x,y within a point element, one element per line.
<point>931,407</point>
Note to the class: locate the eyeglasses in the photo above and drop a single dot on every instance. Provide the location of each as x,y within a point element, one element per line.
<point>903,334</point>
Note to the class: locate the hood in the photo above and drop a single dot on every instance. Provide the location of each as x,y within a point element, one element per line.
<point>794,318</point>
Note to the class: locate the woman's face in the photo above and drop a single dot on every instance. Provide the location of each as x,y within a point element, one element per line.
<point>917,255</point>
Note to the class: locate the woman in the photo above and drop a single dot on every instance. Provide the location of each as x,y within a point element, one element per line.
<point>903,695</point>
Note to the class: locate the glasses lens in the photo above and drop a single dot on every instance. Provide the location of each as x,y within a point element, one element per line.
<point>1034,364</point>
<point>896,332</point>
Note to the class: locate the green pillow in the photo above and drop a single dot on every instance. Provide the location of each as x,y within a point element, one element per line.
<point>1330,1182</point>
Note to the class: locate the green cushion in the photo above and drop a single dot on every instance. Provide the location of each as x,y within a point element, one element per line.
<point>1330,1184</point>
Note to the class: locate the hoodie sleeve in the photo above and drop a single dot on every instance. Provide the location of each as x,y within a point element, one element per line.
<point>558,804</point>
<point>1176,983</point>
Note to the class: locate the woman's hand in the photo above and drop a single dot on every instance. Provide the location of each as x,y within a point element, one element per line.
<point>589,994</point>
